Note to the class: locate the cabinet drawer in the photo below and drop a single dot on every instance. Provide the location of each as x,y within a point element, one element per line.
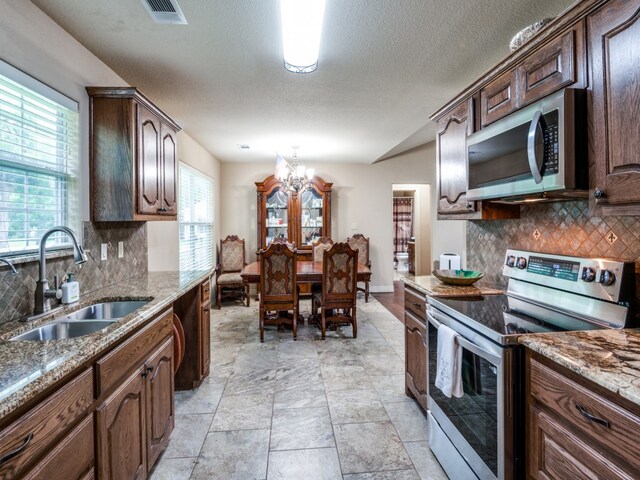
<point>37,430</point>
<point>205,291</point>
<point>498,98</point>
<point>416,303</point>
<point>71,459</point>
<point>550,68</point>
<point>115,365</point>
<point>562,455</point>
<point>610,424</point>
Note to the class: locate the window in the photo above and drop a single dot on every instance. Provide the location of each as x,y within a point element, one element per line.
<point>195,216</point>
<point>38,162</point>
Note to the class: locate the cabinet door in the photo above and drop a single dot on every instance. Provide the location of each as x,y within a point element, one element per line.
<point>415,339</point>
<point>121,427</point>
<point>160,406</point>
<point>614,108</point>
<point>169,167</point>
<point>452,160</point>
<point>205,339</point>
<point>556,65</point>
<point>148,168</point>
<point>311,218</point>
<point>498,98</point>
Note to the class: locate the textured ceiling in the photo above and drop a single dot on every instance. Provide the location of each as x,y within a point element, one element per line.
<point>385,65</point>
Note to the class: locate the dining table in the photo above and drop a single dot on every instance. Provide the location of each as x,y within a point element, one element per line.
<point>307,272</point>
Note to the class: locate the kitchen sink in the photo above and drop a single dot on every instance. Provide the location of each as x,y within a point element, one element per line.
<point>87,320</point>
<point>62,330</point>
<point>105,311</point>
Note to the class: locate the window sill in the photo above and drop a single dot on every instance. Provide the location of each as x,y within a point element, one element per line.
<point>35,256</point>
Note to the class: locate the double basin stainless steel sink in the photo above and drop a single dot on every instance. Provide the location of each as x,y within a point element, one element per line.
<point>84,321</point>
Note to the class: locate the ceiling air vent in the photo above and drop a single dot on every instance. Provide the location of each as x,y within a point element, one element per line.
<point>165,11</point>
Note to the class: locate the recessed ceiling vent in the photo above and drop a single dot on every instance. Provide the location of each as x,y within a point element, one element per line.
<point>165,11</point>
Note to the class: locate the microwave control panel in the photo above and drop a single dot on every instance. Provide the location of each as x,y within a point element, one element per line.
<point>551,154</point>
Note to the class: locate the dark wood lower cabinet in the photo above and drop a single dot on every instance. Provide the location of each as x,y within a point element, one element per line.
<point>194,311</point>
<point>160,405</point>
<point>575,428</point>
<point>71,459</point>
<point>121,425</point>
<point>110,420</point>
<point>415,339</point>
<point>415,344</point>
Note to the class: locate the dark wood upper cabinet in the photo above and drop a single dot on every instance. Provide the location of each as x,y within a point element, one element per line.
<point>558,64</point>
<point>133,157</point>
<point>453,129</point>
<point>614,108</point>
<point>498,98</point>
<point>299,217</point>
<point>451,161</point>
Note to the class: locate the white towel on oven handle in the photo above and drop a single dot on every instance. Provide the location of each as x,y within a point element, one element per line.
<point>449,364</point>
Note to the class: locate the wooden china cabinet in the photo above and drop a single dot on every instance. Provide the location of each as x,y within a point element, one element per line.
<point>299,217</point>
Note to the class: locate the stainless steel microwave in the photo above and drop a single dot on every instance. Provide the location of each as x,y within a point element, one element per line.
<point>538,152</point>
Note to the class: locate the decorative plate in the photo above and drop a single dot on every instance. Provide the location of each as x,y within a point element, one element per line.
<point>523,36</point>
<point>458,277</point>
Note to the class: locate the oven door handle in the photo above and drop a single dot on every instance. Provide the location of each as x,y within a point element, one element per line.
<point>464,343</point>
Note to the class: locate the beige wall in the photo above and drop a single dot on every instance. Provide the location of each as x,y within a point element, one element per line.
<point>35,44</point>
<point>361,202</point>
<point>163,236</point>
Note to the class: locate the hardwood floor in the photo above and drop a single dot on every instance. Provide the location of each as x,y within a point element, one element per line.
<point>394,302</point>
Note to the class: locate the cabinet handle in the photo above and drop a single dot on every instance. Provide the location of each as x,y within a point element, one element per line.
<point>591,418</point>
<point>417,304</point>
<point>16,451</point>
<point>146,371</point>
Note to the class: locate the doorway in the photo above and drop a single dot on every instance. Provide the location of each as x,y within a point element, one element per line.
<point>411,230</point>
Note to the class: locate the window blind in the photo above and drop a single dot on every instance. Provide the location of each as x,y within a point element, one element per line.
<point>39,145</point>
<point>195,217</point>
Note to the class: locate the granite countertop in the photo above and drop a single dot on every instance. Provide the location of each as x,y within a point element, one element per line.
<point>610,358</point>
<point>27,368</point>
<point>431,286</point>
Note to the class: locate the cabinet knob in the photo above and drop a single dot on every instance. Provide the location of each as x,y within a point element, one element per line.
<point>469,206</point>
<point>598,193</point>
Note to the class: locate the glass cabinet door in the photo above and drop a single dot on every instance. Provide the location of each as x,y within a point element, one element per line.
<point>277,216</point>
<point>311,210</point>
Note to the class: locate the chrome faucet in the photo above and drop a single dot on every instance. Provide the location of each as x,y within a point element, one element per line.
<point>13,269</point>
<point>43,293</point>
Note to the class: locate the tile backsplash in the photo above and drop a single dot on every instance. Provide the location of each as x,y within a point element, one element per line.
<point>563,227</point>
<point>17,291</point>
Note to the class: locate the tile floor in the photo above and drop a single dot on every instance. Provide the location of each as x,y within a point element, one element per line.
<point>303,410</point>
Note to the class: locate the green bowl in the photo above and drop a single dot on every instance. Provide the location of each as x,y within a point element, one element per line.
<point>458,277</point>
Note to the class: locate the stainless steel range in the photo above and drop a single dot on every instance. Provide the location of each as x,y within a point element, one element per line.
<point>481,434</point>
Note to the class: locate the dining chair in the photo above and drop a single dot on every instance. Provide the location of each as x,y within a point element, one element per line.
<point>337,300</point>
<point>284,241</point>
<point>228,270</point>
<point>278,288</point>
<point>361,243</point>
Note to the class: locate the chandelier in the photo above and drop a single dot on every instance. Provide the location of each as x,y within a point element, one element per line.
<point>292,175</point>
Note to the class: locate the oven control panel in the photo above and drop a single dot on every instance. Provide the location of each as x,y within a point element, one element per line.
<point>610,280</point>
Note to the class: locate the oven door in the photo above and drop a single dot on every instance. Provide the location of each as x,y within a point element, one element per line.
<point>475,422</point>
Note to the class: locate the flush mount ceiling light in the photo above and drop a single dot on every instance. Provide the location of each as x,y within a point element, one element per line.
<point>301,29</point>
